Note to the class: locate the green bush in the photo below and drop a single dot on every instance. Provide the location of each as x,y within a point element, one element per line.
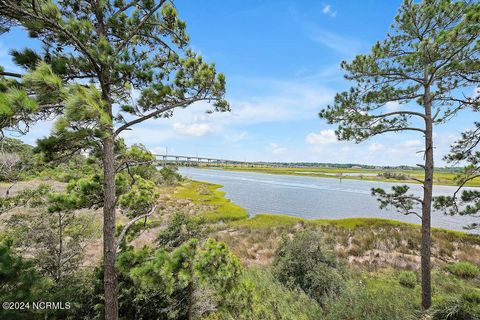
<point>373,299</point>
<point>180,229</point>
<point>464,307</point>
<point>274,301</point>
<point>170,176</point>
<point>472,296</point>
<point>19,281</point>
<point>407,279</point>
<point>463,269</point>
<point>193,281</point>
<point>302,263</point>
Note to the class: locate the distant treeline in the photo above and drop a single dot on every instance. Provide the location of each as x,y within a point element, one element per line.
<point>357,166</point>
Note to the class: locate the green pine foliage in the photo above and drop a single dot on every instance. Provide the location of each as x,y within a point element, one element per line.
<point>194,280</point>
<point>303,263</point>
<point>19,281</point>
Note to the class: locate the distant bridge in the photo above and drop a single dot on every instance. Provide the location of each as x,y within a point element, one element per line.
<point>196,160</point>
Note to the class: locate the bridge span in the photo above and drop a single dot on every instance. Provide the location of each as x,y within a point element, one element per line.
<point>196,160</point>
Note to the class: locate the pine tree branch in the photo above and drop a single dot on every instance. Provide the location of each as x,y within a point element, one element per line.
<point>130,223</point>
<point>138,27</point>
<point>124,8</point>
<point>10,74</point>
<point>156,113</point>
<point>412,212</point>
<point>464,182</point>
<point>394,113</point>
<point>51,24</point>
<point>399,129</point>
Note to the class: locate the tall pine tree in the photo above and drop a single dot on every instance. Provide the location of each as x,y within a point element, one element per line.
<point>463,201</point>
<point>428,65</point>
<point>105,53</point>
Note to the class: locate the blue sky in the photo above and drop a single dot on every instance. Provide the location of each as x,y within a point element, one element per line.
<point>281,60</point>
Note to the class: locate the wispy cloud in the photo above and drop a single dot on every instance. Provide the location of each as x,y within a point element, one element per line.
<point>374,147</point>
<point>194,129</point>
<point>278,101</point>
<point>342,44</point>
<point>149,134</point>
<point>284,101</point>
<point>3,51</point>
<point>327,9</point>
<point>276,148</point>
<point>324,137</point>
<point>235,137</point>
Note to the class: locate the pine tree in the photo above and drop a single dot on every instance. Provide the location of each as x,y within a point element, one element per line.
<point>464,202</point>
<point>104,53</point>
<point>427,65</point>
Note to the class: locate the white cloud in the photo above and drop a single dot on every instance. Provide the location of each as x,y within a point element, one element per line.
<point>325,137</point>
<point>287,101</point>
<point>148,135</point>
<point>412,143</point>
<point>275,148</point>
<point>193,129</point>
<point>374,147</point>
<point>392,106</point>
<point>327,9</point>
<point>235,137</point>
<point>159,150</point>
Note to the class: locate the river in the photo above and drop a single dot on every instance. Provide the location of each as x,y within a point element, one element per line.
<point>315,198</point>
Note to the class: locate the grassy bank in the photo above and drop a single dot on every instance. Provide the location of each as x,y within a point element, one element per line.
<point>371,242</point>
<point>440,177</point>
<point>215,206</point>
<point>381,257</point>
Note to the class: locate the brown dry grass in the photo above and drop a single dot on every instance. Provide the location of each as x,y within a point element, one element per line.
<point>371,247</point>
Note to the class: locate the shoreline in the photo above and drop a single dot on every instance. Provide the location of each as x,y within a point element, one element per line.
<point>440,178</point>
<point>233,214</point>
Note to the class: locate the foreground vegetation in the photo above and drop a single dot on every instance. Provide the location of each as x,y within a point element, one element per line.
<point>199,255</point>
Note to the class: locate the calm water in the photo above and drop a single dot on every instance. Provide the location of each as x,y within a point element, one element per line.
<point>312,197</point>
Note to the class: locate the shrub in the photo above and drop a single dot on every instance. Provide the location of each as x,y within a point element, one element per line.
<point>193,281</point>
<point>19,281</point>
<point>274,301</point>
<point>170,176</point>
<point>372,299</point>
<point>464,307</point>
<point>472,296</point>
<point>302,263</point>
<point>394,175</point>
<point>463,269</point>
<point>407,279</point>
<point>180,229</point>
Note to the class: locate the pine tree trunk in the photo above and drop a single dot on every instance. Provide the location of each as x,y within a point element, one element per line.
<point>425,250</point>
<point>60,247</point>
<point>109,241</point>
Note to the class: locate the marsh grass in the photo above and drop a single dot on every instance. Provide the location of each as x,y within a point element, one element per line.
<point>370,242</point>
<point>218,208</point>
